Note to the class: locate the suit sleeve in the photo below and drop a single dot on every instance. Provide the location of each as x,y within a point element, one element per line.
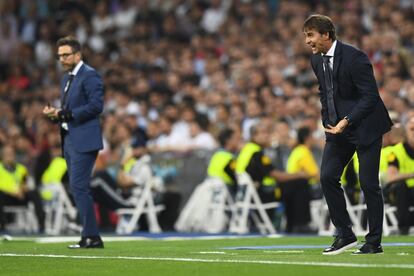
<point>363,77</point>
<point>94,92</point>
<point>324,111</point>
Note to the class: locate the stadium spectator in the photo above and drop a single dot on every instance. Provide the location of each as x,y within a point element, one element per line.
<point>252,160</point>
<point>223,162</point>
<point>400,175</point>
<point>200,137</point>
<point>296,194</point>
<point>15,189</point>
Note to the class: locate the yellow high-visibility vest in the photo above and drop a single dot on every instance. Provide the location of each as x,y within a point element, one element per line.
<point>129,164</point>
<point>217,165</point>
<point>301,159</point>
<point>53,175</point>
<point>55,171</point>
<point>10,181</point>
<point>406,164</point>
<point>355,167</point>
<point>244,158</point>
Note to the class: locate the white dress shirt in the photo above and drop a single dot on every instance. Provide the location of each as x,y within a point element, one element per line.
<point>331,53</point>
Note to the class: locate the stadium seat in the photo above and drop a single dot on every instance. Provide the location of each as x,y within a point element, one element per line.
<point>248,200</point>
<point>206,209</point>
<point>143,200</point>
<point>390,223</point>
<point>24,218</point>
<point>60,212</point>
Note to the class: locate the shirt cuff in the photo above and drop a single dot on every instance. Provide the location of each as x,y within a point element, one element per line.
<point>65,115</point>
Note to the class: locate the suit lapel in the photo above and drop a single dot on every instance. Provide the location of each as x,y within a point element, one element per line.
<point>71,90</point>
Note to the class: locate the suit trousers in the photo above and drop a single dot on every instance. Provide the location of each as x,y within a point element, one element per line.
<point>80,165</point>
<point>336,155</point>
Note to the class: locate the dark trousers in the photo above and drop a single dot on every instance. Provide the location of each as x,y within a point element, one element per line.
<point>30,196</point>
<point>80,165</point>
<point>336,155</point>
<point>403,200</point>
<point>266,195</point>
<point>296,197</point>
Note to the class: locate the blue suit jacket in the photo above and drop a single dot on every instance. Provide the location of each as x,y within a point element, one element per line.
<point>85,101</point>
<point>355,94</point>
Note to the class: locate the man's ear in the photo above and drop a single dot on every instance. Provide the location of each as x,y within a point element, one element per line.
<point>325,36</point>
<point>79,55</point>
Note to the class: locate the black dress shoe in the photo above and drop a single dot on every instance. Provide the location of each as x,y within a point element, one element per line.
<point>369,248</point>
<point>340,245</point>
<point>95,242</point>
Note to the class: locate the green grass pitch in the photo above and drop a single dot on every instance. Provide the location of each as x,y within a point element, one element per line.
<point>202,257</point>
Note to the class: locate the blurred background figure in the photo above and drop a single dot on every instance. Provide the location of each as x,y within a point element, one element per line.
<point>296,194</point>
<point>223,162</point>
<point>253,161</point>
<point>16,189</point>
<point>400,177</point>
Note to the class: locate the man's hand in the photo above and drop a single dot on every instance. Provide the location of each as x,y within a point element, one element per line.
<point>20,195</point>
<point>50,112</point>
<point>339,128</point>
<point>304,175</point>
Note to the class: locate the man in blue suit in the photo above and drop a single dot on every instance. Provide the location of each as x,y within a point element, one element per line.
<point>82,102</point>
<point>355,119</point>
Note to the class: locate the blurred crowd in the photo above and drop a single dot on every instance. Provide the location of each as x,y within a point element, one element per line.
<point>177,72</point>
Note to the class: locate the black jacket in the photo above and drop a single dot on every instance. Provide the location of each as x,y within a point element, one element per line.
<point>355,94</point>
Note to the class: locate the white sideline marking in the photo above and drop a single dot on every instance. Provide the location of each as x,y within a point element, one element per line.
<point>196,260</point>
<point>211,252</point>
<point>216,253</point>
<point>138,238</point>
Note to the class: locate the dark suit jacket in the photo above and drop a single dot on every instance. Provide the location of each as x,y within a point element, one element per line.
<point>85,101</point>
<point>355,94</point>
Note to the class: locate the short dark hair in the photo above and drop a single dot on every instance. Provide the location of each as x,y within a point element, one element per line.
<point>69,41</point>
<point>303,134</point>
<point>321,23</point>
<point>202,121</point>
<point>224,136</point>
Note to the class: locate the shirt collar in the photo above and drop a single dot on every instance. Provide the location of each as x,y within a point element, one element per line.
<point>77,68</point>
<point>331,51</point>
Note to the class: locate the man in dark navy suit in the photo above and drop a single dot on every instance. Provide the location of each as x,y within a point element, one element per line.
<point>82,102</point>
<point>355,119</point>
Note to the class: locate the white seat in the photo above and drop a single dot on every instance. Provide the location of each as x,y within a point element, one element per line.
<point>247,199</point>
<point>144,204</point>
<point>60,212</point>
<point>319,214</point>
<point>390,222</point>
<point>24,218</point>
<point>205,211</point>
